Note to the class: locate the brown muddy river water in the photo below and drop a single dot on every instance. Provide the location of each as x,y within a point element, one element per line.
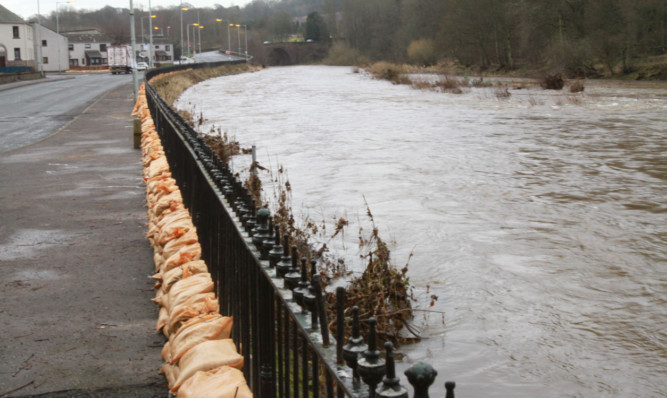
<point>539,220</point>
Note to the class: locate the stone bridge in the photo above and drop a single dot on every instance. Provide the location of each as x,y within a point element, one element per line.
<point>291,53</point>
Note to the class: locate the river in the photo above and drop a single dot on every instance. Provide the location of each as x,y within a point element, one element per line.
<point>539,220</point>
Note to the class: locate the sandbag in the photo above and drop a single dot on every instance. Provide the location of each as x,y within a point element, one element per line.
<point>173,245</point>
<point>196,305</point>
<point>206,356</point>
<point>167,279</point>
<point>222,382</point>
<point>184,255</point>
<point>182,290</point>
<point>211,327</point>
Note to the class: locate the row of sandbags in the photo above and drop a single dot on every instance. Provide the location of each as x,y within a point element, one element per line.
<point>200,358</point>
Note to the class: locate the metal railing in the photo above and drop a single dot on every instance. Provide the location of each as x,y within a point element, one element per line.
<point>280,322</point>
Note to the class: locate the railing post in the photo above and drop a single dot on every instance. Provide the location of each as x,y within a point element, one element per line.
<point>371,366</point>
<point>391,385</point>
<point>421,376</point>
<point>449,386</point>
<point>354,347</point>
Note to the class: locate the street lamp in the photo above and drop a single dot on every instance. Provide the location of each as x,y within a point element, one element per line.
<point>150,34</point>
<point>57,19</point>
<point>238,31</point>
<point>245,35</point>
<point>229,45</point>
<point>187,31</point>
<point>200,28</point>
<point>58,29</point>
<point>182,9</point>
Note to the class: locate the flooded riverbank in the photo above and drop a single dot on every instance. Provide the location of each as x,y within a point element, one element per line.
<point>539,220</point>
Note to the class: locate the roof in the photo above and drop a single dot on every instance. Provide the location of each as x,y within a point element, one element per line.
<point>86,36</point>
<point>7,16</point>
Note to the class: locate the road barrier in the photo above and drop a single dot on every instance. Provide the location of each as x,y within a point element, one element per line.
<point>280,323</point>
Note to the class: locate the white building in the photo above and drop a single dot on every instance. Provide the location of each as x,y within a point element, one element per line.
<point>55,56</point>
<point>17,46</point>
<point>163,50</point>
<point>87,49</point>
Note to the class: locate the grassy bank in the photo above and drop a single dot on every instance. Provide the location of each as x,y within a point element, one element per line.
<point>170,86</point>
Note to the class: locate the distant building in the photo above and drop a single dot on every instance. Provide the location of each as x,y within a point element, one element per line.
<point>55,56</point>
<point>87,49</point>
<point>17,44</point>
<point>163,50</point>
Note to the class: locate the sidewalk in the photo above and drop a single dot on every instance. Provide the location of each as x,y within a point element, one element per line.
<point>75,312</point>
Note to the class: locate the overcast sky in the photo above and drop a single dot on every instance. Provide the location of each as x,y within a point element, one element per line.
<point>27,8</point>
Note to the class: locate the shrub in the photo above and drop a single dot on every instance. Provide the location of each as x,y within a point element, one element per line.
<point>450,84</point>
<point>342,55</point>
<point>552,82</point>
<point>388,71</point>
<point>577,87</point>
<point>502,92</point>
<point>422,52</point>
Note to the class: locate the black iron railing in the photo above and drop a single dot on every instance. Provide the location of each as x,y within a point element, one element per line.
<point>280,322</point>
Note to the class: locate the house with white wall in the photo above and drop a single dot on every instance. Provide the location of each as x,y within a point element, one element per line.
<point>17,45</point>
<point>87,49</point>
<point>55,54</point>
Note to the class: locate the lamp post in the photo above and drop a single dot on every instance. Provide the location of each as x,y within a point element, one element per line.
<point>58,28</point>
<point>245,35</point>
<point>57,14</point>
<point>228,40</point>
<point>182,9</point>
<point>150,35</point>
<point>200,28</point>
<point>39,43</point>
<point>238,31</point>
<point>187,31</point>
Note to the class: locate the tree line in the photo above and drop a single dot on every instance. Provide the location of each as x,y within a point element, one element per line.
<point>575,35</point>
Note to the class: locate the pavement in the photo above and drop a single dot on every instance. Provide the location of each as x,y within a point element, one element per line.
<point>76,317</point>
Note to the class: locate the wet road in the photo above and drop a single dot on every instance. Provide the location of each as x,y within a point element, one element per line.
<point>31,113</point>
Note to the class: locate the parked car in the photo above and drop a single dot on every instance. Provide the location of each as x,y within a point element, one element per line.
<point>142,66</point>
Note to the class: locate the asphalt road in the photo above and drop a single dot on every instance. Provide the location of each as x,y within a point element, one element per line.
<point>33,112</point>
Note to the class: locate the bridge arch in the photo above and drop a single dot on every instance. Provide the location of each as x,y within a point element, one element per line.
<point>279,56</point>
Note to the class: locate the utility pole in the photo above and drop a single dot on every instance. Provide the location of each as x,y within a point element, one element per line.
<point>150,35</point>
<point>134,53</point>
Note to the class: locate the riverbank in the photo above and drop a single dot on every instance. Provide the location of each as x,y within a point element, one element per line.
<point>646,69</point>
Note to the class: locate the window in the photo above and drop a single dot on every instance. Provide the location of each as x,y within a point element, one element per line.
<point>74,62</point>
<point>45,60</point>
<point>43,43</point>
<point>166,48</point>
<point>157,47</point>
<point>15,30</point>
<point>83,61</point>
<point>103,47</point>
<point>17,54</point>
<point>87,45</point>
<point>70,47</point>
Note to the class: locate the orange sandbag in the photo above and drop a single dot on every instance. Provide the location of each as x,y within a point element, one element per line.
<point>222,382</point>
<point>184,255</point>
<point>167,279</point>
<point>187,238</point>
<point>215,327</point>
<point>198,304</point>
<point>206,356</point>
<point>182,290</point>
